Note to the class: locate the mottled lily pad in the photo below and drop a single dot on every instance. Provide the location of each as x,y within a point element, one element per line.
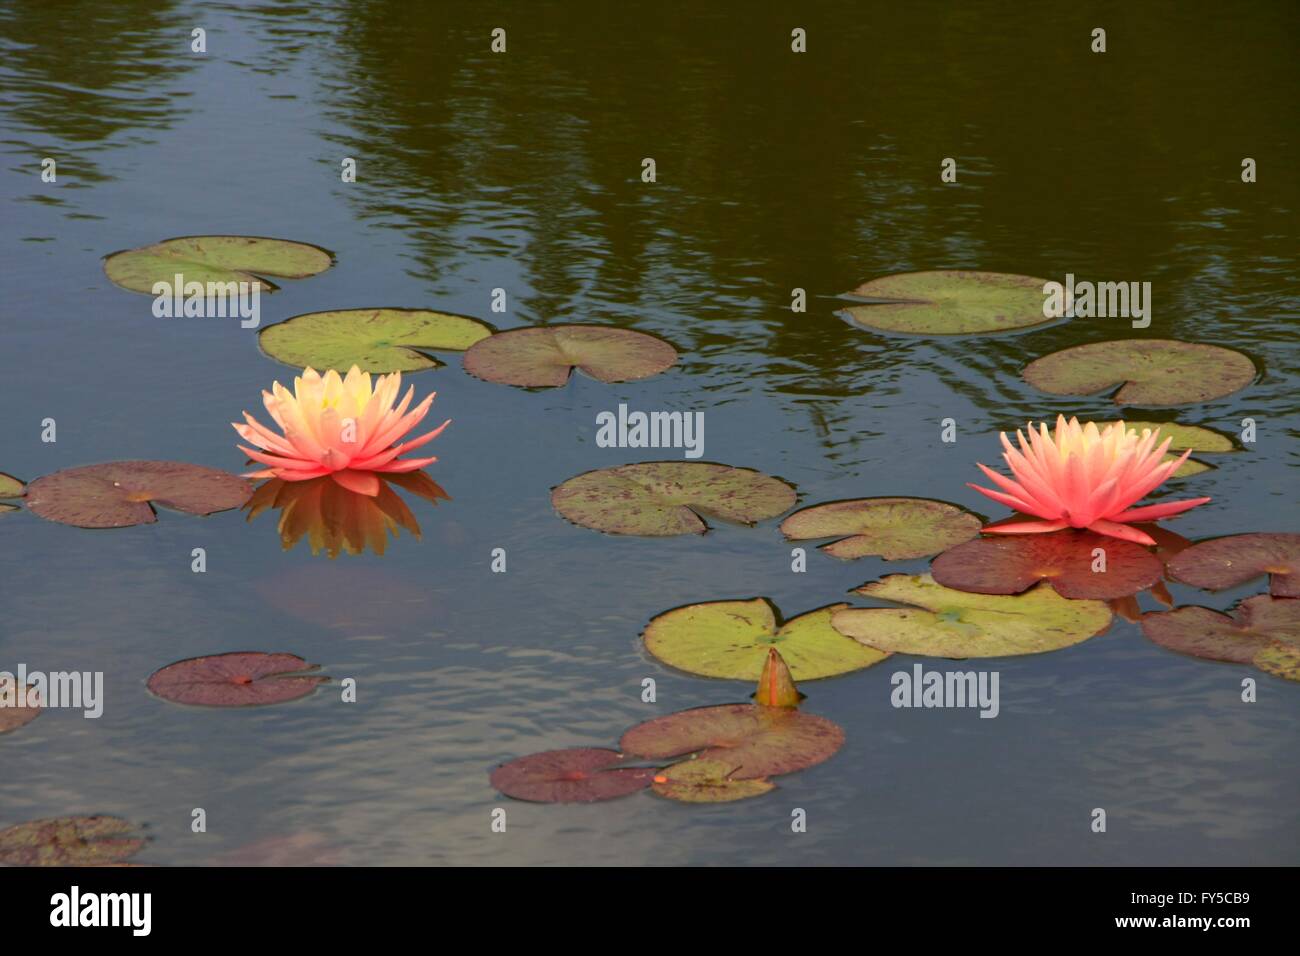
<point>117,494</point>
<point>10,487</point>
<point>1148,371</point>
<point>69,841</point>
<point>1064,559</point>
<point>239,679</point>
<point>215,259</point>
<point>659,498</point>
<point>756,741</point>
<point>1280,660</point>
<point>943,622</point>
<point>1227,562</point>
<point>12,715</point>
<point>951,302</point>
<point>1257,624</point>
<point>544,357</point>
<point>579,775</point>
<point>896,529</point>
<point>1183,438</point>
<point>374,340</point>
<point>707,781</point>
<point>731,639</point>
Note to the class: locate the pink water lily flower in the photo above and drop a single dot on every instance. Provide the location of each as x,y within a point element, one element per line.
<point>337,426</point>
<point>1085,478</point>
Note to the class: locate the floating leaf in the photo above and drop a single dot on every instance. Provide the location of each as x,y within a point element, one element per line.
<point>1280,660</point>
<point>5,507</point>
<point>374,340</point>
<point>1227,562</point>
<point>215,259</point>
<point>657,498</point>
<point>706,781</point>
<point>731,639</point>
<point>1067,560</point>
<point>10,487</point>
<point>579,775</point>
<point>946,623</point>
<point>1257,624</point>
<point>69,841</point>
<point>893,528</point>
<point>545,356</point>
<point>756,741</point>
<point>951,302</point>
<point>775,685</point>
<point>1150,371</point>
<point>116,494</point>
<point>12,715</point>
<point>1183,438</point>
<point>240,679</point>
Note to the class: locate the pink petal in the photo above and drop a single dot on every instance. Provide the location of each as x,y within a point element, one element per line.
<point>1025,527</point>
<point>1122,531</point>
<point>361,482</point>
<point>1162,510</point>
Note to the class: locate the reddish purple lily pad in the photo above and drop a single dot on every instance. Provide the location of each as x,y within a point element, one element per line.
<point>1227,562</point>
<point>577,775</point>
<point>544,357</point>
<point>69,841</point>
<point>1065,559</point>
<point>757,741</point>
<point>1258,624</point>
<point>239,679</point>
<point>1150,371</point>
<point>118,494</point>
<point>12,715</point>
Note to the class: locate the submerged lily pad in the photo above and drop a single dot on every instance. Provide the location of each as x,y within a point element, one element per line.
<point>69,841</point>
<point>544,357</point>
<point>951,302</point>
<point>215,259</point>
<point>756,741</point>
<point>1257,624</point>
<point>707,781</point>
<point>1227,562</point>
<point>12,716</point>
<point>731,639</point>
<point>1064,559</point>
<point>896,529</point>
<point>943,622</point>
<point>1149,371</point>
<point>374,340</point>
<point>239,679</point>
<point>117,494</point>
<point>660,498</point>
<point>10,487</point>
<point>578,775</point>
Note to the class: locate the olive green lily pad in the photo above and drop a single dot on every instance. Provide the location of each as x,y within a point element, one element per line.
<point>544,357</point>
<point>1257,624</point>
<point>374,340</point>
<point>1148,371</point>
<point>15,713</point>
<point>706,781</point>
<point>216,259</point>
<point>69,841</point>
<point>1227,562</point>
<point>1184,438</point>
<point>1280,660</point>
<point>896,529</point>
<point>10,487</point>
<point>6,508</point>
<point>942,622</point>
<point>659,498</point>
<point>731,639</point>
<point>951,302</point>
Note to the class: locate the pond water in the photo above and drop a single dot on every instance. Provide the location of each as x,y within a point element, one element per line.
<point>522,171</point>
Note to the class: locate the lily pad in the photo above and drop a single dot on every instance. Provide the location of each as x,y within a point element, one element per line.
<point>1148,371</point>
<point>69,841</point>
<point>10,487</point>
<point>896,529</point>
<point>1280,660</point>
<point>12,716</point>
<point>706,781</point>
<point>1183,438</point>
<point>658,498</point>
<point>374,340</point>
<point>240,679</point>
<point>215,259</point>
<point>943,622</point>
<point>1257,624</point>
<point>544,357</point>
<point>731,639</point>
<point>756,741</point>
<point>1227,562</point>
<point>1064,559</point>
<point>951,302</point>
<point>117,494</point>
<point>578,775</point>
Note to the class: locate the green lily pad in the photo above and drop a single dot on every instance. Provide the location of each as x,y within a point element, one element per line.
<point>730,639</point>
<point>1184,438</point>
<point>544,357</point>
<point>216,259</point>
<point>10,487</point>
<point>1280,660</point>
<point>706,781</point>
<point>951,302</point>
<point>374,340</point>
<point>1148,371</point>
<point>118,494</point>
<point>1064,559</point>
<point>13,716</point>
<point>1227,562</point>
<point>896,529</point>
<point>660,498</point>
<point>69,841</point>
<point>577,775</point>
<point>1257,624</point>
<point>942,622</point>
<point>756,741</point>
